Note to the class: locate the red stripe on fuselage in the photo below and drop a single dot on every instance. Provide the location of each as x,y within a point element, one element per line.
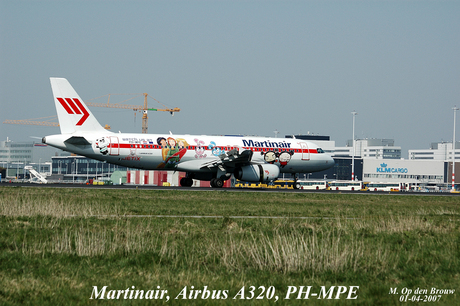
<point>254,149</point>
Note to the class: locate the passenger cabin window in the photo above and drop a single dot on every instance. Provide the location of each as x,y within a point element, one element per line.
<point>320,150</point>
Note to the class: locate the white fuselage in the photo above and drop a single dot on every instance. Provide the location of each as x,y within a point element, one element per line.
<point>213,158</point>
<point>170,152</point>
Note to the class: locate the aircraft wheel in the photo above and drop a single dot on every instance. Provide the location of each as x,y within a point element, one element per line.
<point>217,183</point>
<point>186,182</point>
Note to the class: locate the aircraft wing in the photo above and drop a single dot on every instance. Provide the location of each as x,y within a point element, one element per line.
<point>227,161</point>
<point>231,159</point>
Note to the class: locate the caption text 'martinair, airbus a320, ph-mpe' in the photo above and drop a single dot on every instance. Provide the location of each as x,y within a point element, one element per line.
<point>210,158</point>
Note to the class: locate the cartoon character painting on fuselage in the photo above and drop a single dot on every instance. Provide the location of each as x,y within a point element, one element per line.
<point>173,149</point>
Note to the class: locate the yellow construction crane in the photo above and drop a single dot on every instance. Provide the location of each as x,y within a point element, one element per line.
<point>34,122</point>
<point>42,123</point>
<point>139,108</point>
<point>135,108</point>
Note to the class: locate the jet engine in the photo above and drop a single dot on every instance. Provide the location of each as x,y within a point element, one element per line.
<point>258,173</point>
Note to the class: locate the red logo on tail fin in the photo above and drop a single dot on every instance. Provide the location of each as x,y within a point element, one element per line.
<point>74,107</point>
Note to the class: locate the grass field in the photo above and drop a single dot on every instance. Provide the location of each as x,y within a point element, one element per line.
<point>63,246</point>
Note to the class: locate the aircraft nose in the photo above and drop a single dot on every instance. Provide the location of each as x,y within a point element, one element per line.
<point>330,162</point>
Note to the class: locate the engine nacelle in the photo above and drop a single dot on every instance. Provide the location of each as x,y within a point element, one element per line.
<point>258,173</point>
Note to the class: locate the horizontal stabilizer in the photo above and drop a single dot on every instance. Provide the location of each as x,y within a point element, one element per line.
<point>78,141</point>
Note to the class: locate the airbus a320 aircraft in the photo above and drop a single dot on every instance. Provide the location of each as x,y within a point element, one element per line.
<point>209,158</point>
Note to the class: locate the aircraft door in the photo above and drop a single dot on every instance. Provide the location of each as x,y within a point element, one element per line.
<point>305,152</point>
<point>114,146</point>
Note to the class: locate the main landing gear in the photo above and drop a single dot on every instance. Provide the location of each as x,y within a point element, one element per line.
<point>217,183</point>
<point>186,182</point>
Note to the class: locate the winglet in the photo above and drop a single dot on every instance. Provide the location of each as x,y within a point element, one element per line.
<point>73,114</point>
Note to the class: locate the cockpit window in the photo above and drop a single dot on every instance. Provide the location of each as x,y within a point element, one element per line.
<point>320,150</point>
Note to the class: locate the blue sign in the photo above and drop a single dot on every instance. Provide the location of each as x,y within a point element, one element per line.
<point>384,169</point>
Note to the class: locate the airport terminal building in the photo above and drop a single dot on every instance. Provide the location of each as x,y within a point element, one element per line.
<point>437,151</point>
<point>405,171</point>
<point>379,160</point>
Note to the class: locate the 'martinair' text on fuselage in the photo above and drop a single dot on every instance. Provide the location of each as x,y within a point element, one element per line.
<point>266,144</point>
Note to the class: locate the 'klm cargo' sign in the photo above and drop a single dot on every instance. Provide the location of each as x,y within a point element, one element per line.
<point>384,169</point>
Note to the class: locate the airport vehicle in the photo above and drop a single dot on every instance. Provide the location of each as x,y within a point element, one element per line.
<point>372,186</point>
<point>35,177</point>
<point>283,184</point>
<point>311,185</point>
<point>428,187</point>
<point>210,158</point>
<point>345,185</point>
<point>278,184</point>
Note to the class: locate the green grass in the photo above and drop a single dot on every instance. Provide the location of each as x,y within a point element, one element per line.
<point>56,244</point>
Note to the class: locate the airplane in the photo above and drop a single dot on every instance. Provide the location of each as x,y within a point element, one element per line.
<point>209,158</point>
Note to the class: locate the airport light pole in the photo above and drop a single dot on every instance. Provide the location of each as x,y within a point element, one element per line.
<point>353,150</point>
<point>455,108</point>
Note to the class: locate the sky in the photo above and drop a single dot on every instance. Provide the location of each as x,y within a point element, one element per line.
<point>239,67</point>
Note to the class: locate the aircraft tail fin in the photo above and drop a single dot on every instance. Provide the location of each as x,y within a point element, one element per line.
<point>73,114</point>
